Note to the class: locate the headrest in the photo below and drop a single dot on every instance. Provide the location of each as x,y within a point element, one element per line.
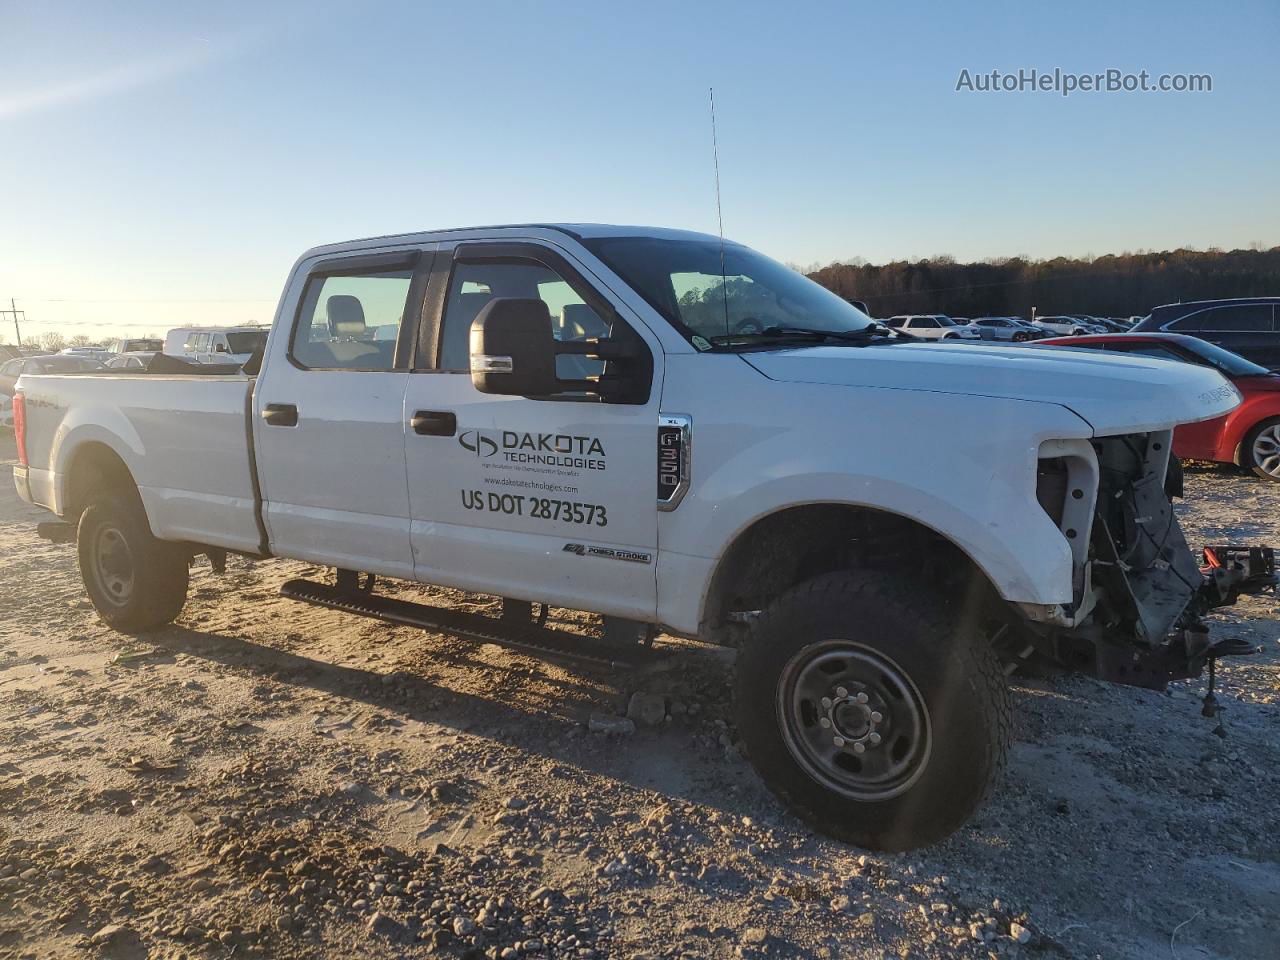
<point>346,315</point>
<point>580,322</point>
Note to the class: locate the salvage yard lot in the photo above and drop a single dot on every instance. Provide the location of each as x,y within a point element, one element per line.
<point>268,779</point>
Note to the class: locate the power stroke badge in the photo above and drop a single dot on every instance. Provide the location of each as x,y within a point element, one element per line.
<point>609,553</point>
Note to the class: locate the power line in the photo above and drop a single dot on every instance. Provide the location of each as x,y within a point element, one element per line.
<point>15,313</point>
<point>157,300</point>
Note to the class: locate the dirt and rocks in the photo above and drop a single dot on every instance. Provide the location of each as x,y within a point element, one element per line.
<point>265,779</point>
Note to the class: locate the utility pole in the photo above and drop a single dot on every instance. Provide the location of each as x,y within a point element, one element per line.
<point>15,313</point>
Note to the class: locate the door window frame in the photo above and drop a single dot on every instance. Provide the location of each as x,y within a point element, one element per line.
<point>417,260</point>
<point>430,339</point>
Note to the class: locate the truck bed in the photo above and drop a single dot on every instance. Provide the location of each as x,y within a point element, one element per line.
<point>184,438</point>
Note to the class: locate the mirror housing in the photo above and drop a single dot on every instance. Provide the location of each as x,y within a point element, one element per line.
<point>513,353</point>
<point>512,349</point>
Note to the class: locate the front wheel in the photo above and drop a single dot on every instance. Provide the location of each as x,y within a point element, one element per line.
<point>1261,449</point>
<point>135,581</point>
<point>878,717</point>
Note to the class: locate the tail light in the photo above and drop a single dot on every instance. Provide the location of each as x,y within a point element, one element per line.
<point>20,426</point>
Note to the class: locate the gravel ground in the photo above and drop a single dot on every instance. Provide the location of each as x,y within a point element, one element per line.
<point>266,779</point>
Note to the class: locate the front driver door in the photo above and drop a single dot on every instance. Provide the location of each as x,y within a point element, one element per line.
<point>538,499</point>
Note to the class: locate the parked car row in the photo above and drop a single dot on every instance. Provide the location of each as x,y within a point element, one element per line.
<point>937,326</point>
<point>11,370</point>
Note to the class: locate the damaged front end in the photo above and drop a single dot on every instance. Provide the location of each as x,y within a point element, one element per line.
<point>1139,592</point>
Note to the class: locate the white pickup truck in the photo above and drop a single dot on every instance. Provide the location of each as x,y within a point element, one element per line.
<point>681,435</point>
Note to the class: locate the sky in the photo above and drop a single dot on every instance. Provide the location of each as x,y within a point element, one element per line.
<point>164,164</point>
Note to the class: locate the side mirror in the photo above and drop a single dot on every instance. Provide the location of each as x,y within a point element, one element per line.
<point>219,348</point>
<point>512,349</point>
<point>513,352</point>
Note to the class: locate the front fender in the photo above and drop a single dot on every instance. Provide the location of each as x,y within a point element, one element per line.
<point>962,466</point>
<point>1013,541</point>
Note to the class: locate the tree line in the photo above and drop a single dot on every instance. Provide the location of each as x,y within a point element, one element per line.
<point>1119,285</point>
<point>51,341</point>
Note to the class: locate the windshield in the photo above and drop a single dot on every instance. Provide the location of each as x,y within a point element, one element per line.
<point>130,346</point>
<point>246,342</point>
<point>703,295</point>
<point>1229,363</point>
<point>947,322</point>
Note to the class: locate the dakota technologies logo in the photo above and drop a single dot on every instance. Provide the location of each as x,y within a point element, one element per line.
<point>549,449</point>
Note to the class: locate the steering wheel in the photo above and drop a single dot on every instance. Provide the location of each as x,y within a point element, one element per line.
<point>748,325</point>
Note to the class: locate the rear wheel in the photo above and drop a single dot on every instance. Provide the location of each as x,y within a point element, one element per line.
<point>879,717</point>
<point>1261,449</point>
<point>135,581</point>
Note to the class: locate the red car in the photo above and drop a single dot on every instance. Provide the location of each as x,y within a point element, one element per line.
<point>1249,435</point>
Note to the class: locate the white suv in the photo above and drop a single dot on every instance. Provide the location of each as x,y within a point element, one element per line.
<point>934,326</point>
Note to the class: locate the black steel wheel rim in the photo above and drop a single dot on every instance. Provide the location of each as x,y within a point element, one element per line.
<point>854,720</point>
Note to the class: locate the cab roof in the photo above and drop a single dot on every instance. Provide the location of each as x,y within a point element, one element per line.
<point>578,231</point>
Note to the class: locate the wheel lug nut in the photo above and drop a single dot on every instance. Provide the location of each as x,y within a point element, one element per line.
<point>874,739</point>
<point>826,703</point>
<point>862,698</point>
<point>876,716</point>
<point>859,748</point>
<point>841,692</point>
<point>838,741</point>
<point>824,722</point>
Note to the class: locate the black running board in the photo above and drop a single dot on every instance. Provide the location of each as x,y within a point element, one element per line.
<point>473,626</point>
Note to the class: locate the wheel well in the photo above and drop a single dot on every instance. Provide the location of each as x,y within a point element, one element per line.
<point>799,543</point>
<point>94,468</point>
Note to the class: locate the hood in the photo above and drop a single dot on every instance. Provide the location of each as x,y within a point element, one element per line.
<point>1113,393</point>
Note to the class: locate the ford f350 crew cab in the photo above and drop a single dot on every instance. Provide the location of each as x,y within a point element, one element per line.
<point>679,434</point>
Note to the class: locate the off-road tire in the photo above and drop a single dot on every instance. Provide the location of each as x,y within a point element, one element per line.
<point>157,569</point>
<point>939,649</point>
<point>1247,458</point>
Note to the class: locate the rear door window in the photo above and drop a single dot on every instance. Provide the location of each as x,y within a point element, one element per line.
<point>1237,319</point>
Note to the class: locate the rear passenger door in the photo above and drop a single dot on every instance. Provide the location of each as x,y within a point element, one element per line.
<point>329,413</point>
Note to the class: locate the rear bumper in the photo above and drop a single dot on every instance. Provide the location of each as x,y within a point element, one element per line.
<point>35,486</point>
<point>22,482</point>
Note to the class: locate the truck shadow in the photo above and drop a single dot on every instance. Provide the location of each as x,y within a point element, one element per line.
<point>542,714</point>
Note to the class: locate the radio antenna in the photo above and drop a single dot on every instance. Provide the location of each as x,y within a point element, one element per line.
<point>715,156</point>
